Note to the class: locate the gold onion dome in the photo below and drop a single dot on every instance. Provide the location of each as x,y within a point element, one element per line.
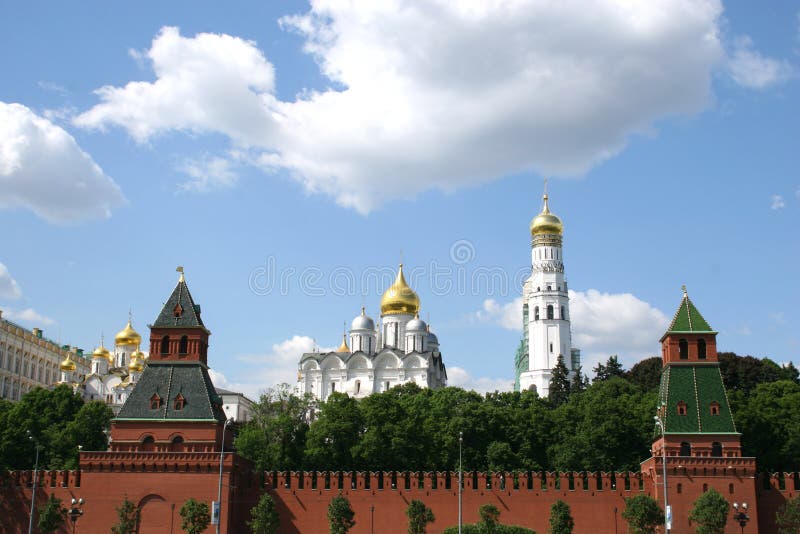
<point>399,298</point>
<point>128,336</point>
<point>68,365</point>
<point>546,222</point>
<point>137,361</point>
<point>101,352</point>
<point>343,347</point>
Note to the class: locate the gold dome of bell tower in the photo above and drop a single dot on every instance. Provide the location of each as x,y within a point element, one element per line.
<point>399,298</point>
<point>546,222</point>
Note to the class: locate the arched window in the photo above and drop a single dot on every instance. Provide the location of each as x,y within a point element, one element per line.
<point>716,449</point>
<point>686,449</point>
<point>177,444</point>
<point>680,488</point>
<point>714,408</point>
<point>183,346</point>
<point>536,313</point>
<point>563,315</point>
<point>358,387</point>
<point>730,489</point>
<point>682,408</point>
<point>148,443</point>
<point>164,349</point>
<point>701,349</point>
<point>683,348</point>
<point>549,311</point>
<point>705,488</point>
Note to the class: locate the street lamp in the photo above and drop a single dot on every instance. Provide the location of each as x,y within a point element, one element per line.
<point>667,514</point>
<point>221,458</point>
<point>35,475</point>
<point>740,514</point>
<point>75,511</point>
<point>460,478</point>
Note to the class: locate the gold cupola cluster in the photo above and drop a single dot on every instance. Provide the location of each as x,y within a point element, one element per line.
<point>546,222</point>
<point>128,336</point>
<point>68,366</point>
<point>137,361</point>
<point>399,298</point>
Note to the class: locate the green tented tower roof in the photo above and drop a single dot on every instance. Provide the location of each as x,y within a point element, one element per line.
<point>700,389</point>
<point>687,319</point>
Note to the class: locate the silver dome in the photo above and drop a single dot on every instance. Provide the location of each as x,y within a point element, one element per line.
<point>432,339</point>
<point>362,322</point>
<point>416,325</point>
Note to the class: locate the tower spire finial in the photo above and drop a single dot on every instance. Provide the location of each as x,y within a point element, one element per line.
<point>545,208</point>
<point>130,315</point>
<point>179,269</point>
<point>683,288</point>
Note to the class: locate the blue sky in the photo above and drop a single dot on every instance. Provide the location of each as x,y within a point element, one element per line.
<point>318,144</point>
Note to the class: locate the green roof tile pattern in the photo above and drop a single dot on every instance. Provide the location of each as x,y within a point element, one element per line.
<point>189,311</point>
<point>688,319</point>
<point>167,380</point>
<point>698,386</point>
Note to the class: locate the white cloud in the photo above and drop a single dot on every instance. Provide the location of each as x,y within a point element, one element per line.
<point>28,315</point>
<point>43,169</point>
<point>459,377</point>
<point>777,202</point>
<point>207,174</point>
<point>750,69</point>
<point>434,94</point>
<point>508,315</point>
<point>277,366</point>
<point>602,324</point>
<point>9,289</point>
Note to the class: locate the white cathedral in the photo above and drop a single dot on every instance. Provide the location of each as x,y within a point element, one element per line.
<point>399,350</point>
<point>113,374</point>
<point>545,309</point>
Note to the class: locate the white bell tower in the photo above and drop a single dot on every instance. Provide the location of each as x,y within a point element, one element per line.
<point>546,301</point>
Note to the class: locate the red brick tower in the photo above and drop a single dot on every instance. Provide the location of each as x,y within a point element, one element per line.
<point>703,449</point>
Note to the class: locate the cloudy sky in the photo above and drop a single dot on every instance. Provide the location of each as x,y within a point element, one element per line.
<point>288,155</point>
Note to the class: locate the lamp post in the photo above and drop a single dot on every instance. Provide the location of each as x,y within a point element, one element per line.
<point>740,514</point>
<point>35,475</point>
<point>460,478</point>
<point>660,424</point>
<point>219,488</point>
<point>75,511</point>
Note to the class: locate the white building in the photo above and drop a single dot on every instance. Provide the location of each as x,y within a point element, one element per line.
<point>545,308</point>
<point>399,349</point>
<point>236,405</point>
<point>29,360</point>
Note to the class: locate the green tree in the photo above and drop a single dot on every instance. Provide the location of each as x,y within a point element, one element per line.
<point>788,517</point>
<point>128,514</point>
<point>643,514</point>
<point>51,516</point>
<point>340,515</point>
<point>275,437</point>
<point>195,516</point>
<point>646,374</point>
<point>333,437</point>
<point>769,419</point>
<point>579,381</point>
<point>419,516</point>
<point>500,457</point>
<point>264,514</point>
<point>490,518</point>
<point>710,513</point>
<point>561,521</point>
<point>611,369</point>
<point>558,393</point>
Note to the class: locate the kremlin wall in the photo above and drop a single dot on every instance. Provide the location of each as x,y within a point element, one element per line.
<point>167,439</point>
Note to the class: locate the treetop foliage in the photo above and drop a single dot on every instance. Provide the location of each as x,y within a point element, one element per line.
<point>710,513</point>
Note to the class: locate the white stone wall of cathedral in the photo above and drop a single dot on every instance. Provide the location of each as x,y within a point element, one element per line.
<point>363,340</point>
<point>394,330</point>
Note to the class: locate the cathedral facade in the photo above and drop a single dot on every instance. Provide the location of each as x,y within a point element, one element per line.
<point>399,349</point>
<point>545,309</point>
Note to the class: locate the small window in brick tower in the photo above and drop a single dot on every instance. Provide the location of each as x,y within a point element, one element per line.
<point>183,346</point>
<point>155,401</point>
<point>683,349</point>
<point>164,349</point>
<point>701,349</point>
<point>179,402</point>
<point>682,408</point>
<point>715,408</point>
<point>178,311</point>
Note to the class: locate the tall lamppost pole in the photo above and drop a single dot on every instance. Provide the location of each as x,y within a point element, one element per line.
<point>75,512</point>
<point>740,514</point>
<point>35,475</point>
<point>219,488</point>
<point>660,424</point>
<point>460,478</point>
